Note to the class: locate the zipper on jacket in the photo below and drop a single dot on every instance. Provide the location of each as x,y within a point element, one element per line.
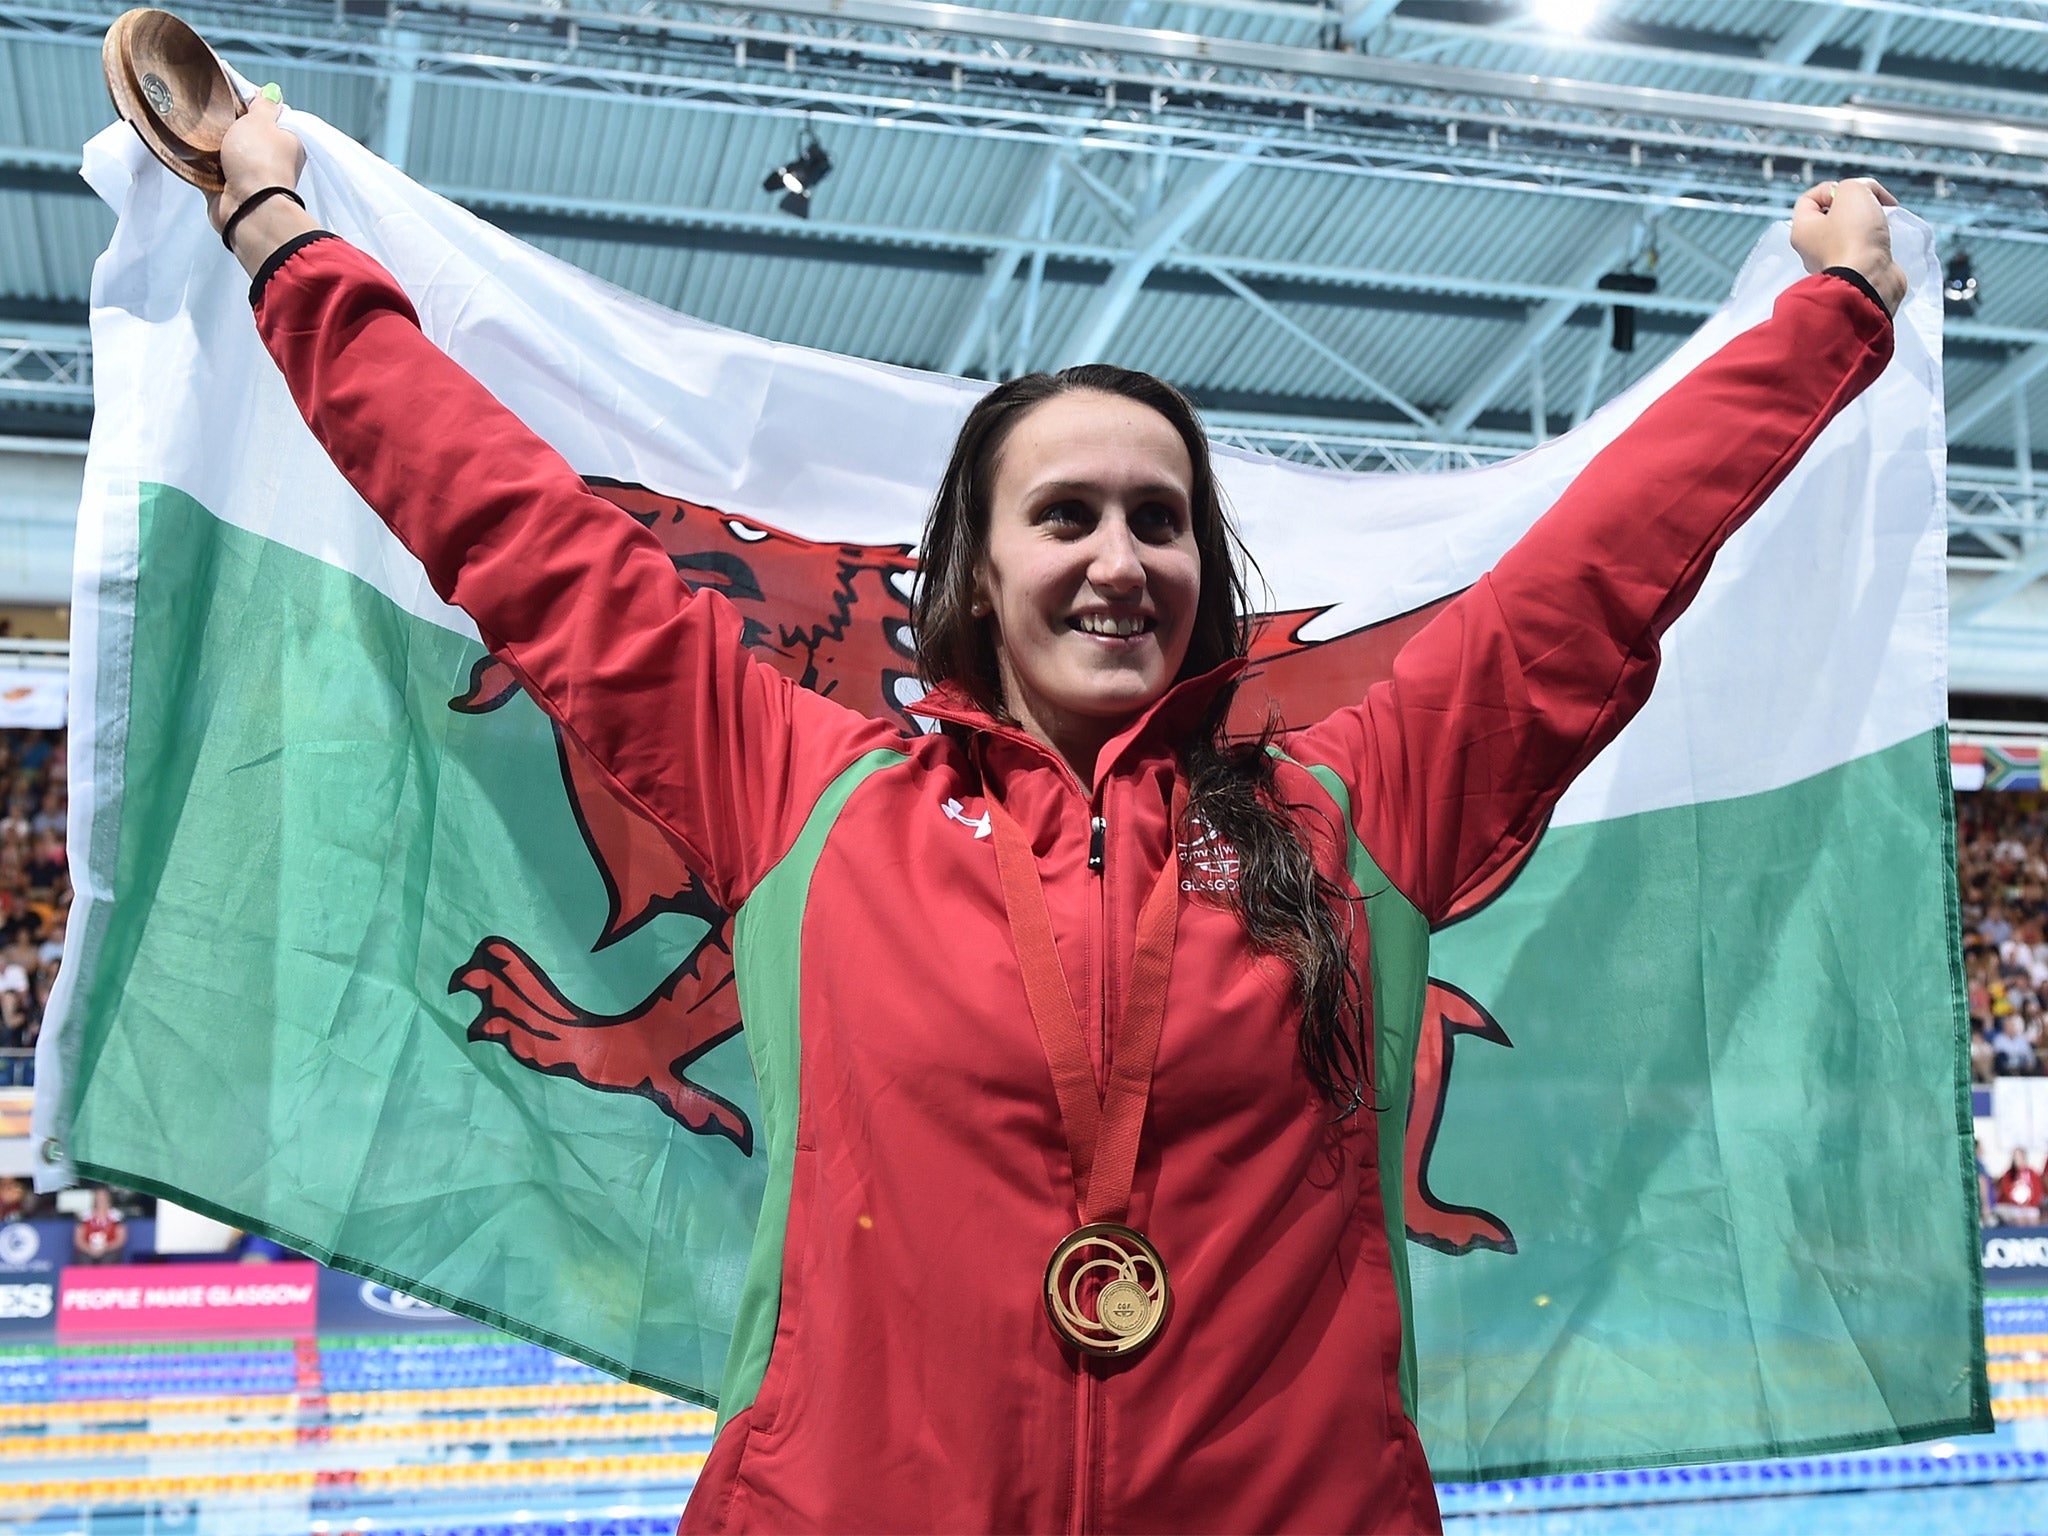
<point>1082,1519</point>
<point>1088,1386</point>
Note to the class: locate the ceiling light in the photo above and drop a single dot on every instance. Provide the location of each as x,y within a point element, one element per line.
<point>798,179</point>
<point>1959,288</point>
<point>1564,15</point>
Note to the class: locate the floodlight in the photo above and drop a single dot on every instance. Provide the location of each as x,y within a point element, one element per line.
<point>1564,15</point>
<point>800,177</point>
<point>1959,288</point>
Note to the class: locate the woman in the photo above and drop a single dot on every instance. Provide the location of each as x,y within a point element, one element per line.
<point>1075,981</point>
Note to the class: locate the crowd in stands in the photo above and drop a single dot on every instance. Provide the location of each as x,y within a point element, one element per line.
<point>2002,875</point>
<point>35,890</point>
<point>2002,870</point>
<point>35,900</point>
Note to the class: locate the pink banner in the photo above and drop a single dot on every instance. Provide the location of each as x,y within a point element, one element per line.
<point>137,1299</point>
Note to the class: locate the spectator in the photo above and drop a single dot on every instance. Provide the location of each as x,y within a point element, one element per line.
<point>14,1031</point>
<point>1996,927</point>
<point>1983,1060</point>
<point>21,943</point>
<point>2019,1192</point>
<point>2010,1046</point>
<point>1987,1192</point>
<point>102,1237</point>
<point>46,861</point>
<point>14,1201</point>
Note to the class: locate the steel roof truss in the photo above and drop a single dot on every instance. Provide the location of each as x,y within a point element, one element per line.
<point>1796,47</point>
<point>2018,372</point>
<point>1195,196</point>
<point>979,335</point>
<point>52,365</point>
<point>45,365</point>
<point>615,219</point>
<point>1322,349</point>
<point>1618,244</point>
<point>1416,130</point>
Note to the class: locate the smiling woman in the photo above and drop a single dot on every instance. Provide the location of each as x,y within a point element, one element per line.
<point>1079,562</point>
<point>1083,1028</point>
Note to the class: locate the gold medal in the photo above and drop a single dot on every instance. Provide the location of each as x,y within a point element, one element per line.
<point>1105,1289</point>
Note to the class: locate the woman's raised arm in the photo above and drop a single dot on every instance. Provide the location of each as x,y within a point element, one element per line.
<point>1512,690</point>
<point>573,593</point>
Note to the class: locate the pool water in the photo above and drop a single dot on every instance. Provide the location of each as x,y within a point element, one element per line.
<point>470,1434</point>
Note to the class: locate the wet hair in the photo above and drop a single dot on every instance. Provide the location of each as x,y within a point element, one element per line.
<point>1289,909</point>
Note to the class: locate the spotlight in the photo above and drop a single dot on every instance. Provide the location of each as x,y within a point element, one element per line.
<point>1623,337</point>
<point>798,179</point>
<point>1564,15</point>
<point>1959,290</point>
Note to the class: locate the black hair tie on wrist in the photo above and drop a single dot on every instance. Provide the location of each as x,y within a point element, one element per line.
<point>250,203</point>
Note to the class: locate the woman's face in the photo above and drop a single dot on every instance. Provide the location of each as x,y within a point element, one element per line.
<point>1091,575</point>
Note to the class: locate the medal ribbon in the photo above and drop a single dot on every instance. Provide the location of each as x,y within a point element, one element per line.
<point>1102,1130</point>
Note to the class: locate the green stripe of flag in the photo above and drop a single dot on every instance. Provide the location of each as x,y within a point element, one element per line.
<point>1730,1137</point>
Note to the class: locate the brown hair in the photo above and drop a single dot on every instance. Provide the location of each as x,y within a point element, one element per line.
<point>1289,909</point>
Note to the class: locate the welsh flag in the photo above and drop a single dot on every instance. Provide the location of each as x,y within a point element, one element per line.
<point>367,958</point>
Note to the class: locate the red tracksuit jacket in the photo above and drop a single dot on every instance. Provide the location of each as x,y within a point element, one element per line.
<point>893,1369</point>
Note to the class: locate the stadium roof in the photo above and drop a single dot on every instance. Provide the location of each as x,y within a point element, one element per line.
<point>1342,226</point>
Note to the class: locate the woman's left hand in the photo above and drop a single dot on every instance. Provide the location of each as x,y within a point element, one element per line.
<point>1842,224</point>
<point>258,153</point>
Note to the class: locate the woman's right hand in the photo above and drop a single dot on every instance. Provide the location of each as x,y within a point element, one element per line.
<point>257,153</point>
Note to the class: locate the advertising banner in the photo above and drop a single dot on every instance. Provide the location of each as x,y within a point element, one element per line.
<point>158,1300</point>
<point>2016,1257</point>
<point>351,1305</point>
<point>31,1253</point>
<point>34,1248</point>
<point>28,1307</point>
<point>127,1301</point>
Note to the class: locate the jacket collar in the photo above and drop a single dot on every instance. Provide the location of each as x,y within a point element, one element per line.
<point>1165,719</point>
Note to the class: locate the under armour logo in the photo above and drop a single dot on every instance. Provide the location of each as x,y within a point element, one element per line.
<point>981,824</point>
